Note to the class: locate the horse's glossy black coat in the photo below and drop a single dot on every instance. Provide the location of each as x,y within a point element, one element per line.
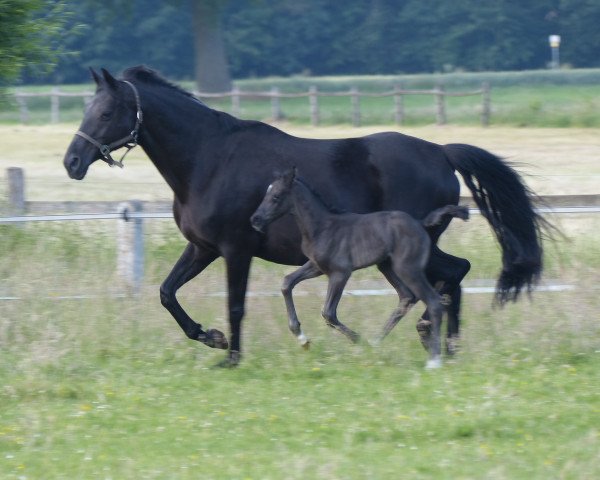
<point>219,168</point>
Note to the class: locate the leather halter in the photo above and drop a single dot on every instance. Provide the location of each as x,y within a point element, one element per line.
<point>129,142</point>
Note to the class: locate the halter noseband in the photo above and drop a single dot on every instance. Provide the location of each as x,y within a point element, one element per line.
<point>129,142</point>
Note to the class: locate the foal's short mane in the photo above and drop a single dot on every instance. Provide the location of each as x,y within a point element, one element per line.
<point>328,206</point>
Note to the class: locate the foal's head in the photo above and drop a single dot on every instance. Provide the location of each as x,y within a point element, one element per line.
<point>277,201</point>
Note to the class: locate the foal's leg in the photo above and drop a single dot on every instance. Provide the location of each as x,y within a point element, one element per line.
<point>335,288</point>
<point>406,300</point>
<point>193,260</point>
<point>306,271</point>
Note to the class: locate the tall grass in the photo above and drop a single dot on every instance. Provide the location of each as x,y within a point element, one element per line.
<point>109,387</point>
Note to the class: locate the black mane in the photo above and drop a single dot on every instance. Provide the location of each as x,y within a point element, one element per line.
<point>146,75</point>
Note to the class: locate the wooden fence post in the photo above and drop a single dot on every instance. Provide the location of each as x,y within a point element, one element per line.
<point>314,105</point>
<point>355,107</point>
<point>235,102</point>
<point>55,105</point>
<point>398,105</point>
<point>130,246</point>
<point>275,104</point>
<point>16,190</point>
<point>485,104</point>
<point>440,101</point>
<point>23,111</point>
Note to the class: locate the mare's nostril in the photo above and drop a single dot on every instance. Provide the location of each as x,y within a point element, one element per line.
<point>74,164</point>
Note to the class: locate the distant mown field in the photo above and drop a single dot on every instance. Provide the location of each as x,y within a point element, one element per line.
<point>566,98</point>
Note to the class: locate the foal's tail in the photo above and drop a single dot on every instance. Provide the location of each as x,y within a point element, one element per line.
<point>505,201</point>
<point>439,215</point>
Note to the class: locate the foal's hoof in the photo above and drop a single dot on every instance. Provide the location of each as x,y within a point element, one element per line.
<point>214,339</point>
<point>452,345</point>
<point>434,363</point>
<point>231,361</point>
<point>304,341</point>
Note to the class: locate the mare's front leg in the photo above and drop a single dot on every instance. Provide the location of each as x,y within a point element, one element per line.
<point>193,260</point>
<point>306,271</point>
<point>238,269</point>
<point>335,288</point>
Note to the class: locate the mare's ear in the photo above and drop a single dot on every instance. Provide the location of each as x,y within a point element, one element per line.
<point>95,76</point>
<point>109,79</point>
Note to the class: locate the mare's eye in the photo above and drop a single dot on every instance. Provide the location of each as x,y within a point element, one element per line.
<point>276,198</point>
<point>106,115</point>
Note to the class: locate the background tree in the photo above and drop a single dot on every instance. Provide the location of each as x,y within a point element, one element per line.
<point>194,39</point>
<point>30,36</point>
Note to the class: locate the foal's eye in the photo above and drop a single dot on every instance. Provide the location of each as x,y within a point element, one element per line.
<point>106,115</point>
<point>276,198</point>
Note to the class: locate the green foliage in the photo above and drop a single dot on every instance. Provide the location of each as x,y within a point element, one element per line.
<point>32,33</point>
<point>319,37</point>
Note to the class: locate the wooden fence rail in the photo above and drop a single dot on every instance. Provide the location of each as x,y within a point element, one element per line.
<point>275,95</point>
<point>131,214</point>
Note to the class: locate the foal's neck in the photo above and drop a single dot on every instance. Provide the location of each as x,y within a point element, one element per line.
<point>310,212</point>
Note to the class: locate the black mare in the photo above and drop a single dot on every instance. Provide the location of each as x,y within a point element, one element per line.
<point>337,243</point>
<point>219,167</point>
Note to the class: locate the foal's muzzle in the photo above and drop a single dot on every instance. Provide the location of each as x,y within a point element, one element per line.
<point>258,223</point>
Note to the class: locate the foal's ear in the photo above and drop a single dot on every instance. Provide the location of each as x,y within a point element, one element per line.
<point>95,76</point>
<point>289,175</point>
<point>109,79</point>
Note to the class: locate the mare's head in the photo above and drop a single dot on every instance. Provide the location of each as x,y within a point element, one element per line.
<point>277,201</point>
<point>111,121</point>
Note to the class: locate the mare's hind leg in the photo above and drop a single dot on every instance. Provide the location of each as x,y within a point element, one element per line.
<point>406,300</point>
<point>191,263</point>
<point>450,271</point>
<point>306,271</point>
<point>337,282</point>
<point>414,278</point>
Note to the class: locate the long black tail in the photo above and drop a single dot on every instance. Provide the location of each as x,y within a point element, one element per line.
<point>439,214</point>
<point>505,201</point>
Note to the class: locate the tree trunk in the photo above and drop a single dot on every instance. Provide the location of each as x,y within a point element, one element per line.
<point>212,69</point>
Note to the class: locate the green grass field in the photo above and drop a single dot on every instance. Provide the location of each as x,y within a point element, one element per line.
<point>107,386</point>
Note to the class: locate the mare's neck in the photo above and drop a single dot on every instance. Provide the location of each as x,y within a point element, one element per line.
<point>310,212</point>
<point>174,130</point>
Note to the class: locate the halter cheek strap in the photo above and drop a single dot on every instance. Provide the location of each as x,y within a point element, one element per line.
<point>129,142</point>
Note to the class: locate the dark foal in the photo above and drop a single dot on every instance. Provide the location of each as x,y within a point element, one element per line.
<point>336,244</point>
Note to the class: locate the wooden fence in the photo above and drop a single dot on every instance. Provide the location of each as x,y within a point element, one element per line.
<point>275,96</point>
<point>131,215</point>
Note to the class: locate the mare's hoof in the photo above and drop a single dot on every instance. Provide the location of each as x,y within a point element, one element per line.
<point>216,339</point>
<point>231,361</point>
<point>354,337</point>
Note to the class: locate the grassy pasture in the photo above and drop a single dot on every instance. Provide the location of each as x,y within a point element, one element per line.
<point>108,387</point>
